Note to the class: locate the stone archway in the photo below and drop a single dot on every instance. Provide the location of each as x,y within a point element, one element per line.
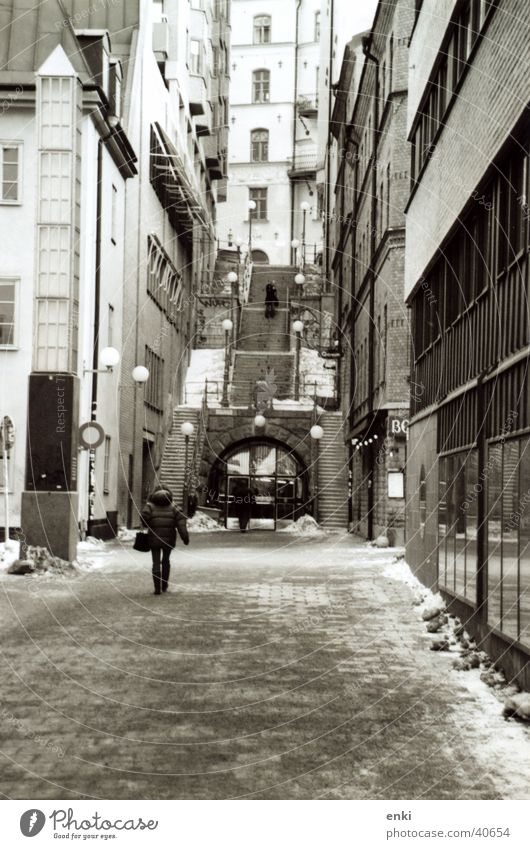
<point>271,476</point>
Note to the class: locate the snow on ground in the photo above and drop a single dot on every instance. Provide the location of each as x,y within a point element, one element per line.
<point>126,535</point>
<point>316,369</point>
<point>205,363</point>
<point>305,526</point>
<point>92,554</point>
<point>201,523</point>
<point>8,554</point>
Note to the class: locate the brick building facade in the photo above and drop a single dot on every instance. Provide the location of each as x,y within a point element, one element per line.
<point>368,272</point>
<point>467,278</point>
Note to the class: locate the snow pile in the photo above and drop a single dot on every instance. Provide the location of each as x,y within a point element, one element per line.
<point>126,535</point>
<point>315,369</point>
<point>305,526</point>
<point>92,554</point>
<point>39,560</point>
<point>205,363</point>
<point>8,553</point>
<point>201,523</point>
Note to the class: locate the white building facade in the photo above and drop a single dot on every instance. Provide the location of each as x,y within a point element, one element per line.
<point>274,85</point>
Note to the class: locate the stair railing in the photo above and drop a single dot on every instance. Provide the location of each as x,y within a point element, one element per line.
<point>192,474</point>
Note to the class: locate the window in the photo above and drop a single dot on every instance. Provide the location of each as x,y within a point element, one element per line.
<point>158,11</point>
<point>10,170</point>
<point>7,312</point>
<point>154,388</point>
<point>215,60</point>
<point>261,86</point>
<point>110,326</point>
<point>115,80</point>
<point>259,146</point>
<point>164,282</point>
<point>114,215</point>
<point>262,29</point>
<point>195,56</point>
<point>106,467</point>
<point>259,196</point>
<point>457,523</point>
<point>317,26</point>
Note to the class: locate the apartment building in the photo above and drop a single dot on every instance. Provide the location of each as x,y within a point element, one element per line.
<point>274,85</point>
<point>112,168</point>
<point>466,278</point>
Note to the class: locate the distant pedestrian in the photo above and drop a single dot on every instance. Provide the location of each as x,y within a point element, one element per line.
<point>244,498</point>
<point>163,519</point>
<point>271,300</point>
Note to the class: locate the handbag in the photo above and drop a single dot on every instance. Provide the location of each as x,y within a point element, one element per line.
<point>141,542</point>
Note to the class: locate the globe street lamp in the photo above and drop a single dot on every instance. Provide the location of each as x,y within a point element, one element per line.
<point>316,432</point>
<point>298,327</point>
<point>304,206</point>
<point>227,327</point>
<point>299,279</point>
<point>140,374</point>
<point>251,209</point>
<point>295,244</point>
<point>260,421</point>
<point>187,429</point>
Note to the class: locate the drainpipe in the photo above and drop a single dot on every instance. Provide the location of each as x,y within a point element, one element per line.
<point>95,352</point>
<point>295,114</point>
<point>327,187</point>
<point>366,45</point>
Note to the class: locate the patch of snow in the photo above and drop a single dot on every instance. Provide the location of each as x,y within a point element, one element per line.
<point>315,369</point>
<point>126,535</point>
<point>205,363</point>
<point>305,526</point>
<point>92,554</point>
<point>201,523</point>
<point>8,553</point>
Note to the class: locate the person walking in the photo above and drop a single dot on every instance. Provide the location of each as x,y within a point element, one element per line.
<point>163,519</point>
<point>271,300</point>
<point>244,498</point>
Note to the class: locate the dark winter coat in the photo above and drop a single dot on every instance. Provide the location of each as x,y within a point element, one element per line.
<point>244,498</point>
<point>163,519</point>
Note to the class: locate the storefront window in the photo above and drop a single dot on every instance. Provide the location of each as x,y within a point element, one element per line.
<point>457,524</point>
<point>510,538</point>
<point>524,543</point>
<point>494,472</point>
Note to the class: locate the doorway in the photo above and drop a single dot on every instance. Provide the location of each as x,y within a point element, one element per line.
<point>274,477</point>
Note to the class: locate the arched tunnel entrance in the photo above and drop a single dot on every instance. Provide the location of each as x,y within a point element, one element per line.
<point>272,472</point>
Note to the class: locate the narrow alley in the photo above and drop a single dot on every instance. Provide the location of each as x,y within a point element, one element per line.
<point>275,668</point>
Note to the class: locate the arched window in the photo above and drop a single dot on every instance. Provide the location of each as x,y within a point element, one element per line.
<point>261,81</point>
<point>262,29</point>
<point>260,257</point>
<point>259,145</point>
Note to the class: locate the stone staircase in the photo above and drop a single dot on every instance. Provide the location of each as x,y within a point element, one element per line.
<point>257,333</point>
<point>281,275</point>
<point>333,473</point>
<point>173,461</point>
<point>276,368</point>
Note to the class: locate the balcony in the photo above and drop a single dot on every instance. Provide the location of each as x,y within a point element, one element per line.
<point>197,94</point>
<point>161,40</point>
<point>304,163</point>
<point>307,105</point>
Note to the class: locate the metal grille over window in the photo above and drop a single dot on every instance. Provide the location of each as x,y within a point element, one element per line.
<point>164,282</point>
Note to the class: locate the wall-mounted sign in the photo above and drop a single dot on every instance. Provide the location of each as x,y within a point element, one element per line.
<point>7,434</point>
<point>397,426</point>
<point>396,485</point>
<point>91,435</point>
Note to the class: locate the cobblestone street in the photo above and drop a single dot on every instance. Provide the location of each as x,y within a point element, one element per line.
<point>274,668</point>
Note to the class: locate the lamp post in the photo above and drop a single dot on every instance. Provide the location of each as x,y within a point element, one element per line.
<point>251,209</point>
<point>304,206</point>
<point>187,429</point>
<point>295,244</point>
<point>298,327</point>
<point>316,433</point>
<point>227,327</point>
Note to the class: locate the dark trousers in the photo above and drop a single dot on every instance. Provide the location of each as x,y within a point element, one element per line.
<point>243,521</point>
<point>161,578</point>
